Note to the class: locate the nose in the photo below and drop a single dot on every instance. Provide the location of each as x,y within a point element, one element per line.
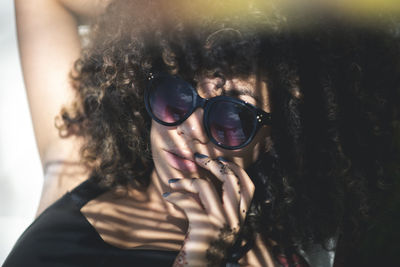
<point>192,128</point>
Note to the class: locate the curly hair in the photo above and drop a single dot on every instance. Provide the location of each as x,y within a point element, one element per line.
<point>334,94</point>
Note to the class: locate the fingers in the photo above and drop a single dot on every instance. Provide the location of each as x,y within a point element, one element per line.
<point>230,188</point>
<point>192,209</point>
<point>229,209</point>
<point>207,212</point>
<point>247,190</point>
<point>208,196</point>
<point>238,189</point>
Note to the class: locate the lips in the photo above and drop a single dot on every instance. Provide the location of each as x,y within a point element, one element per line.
<point>180,161</point>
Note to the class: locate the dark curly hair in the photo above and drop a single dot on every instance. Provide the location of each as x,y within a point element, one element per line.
<point>334,95</point>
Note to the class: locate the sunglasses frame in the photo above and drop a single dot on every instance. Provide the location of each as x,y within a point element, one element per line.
<point>260,116</point>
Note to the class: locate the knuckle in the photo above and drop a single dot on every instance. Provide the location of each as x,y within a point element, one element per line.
<point>224,169</point>
<point>207,162</point>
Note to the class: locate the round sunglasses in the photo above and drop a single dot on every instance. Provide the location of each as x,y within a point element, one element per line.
<point>229,122</point>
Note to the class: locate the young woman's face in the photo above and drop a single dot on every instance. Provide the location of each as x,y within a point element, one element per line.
<point>173,147</point>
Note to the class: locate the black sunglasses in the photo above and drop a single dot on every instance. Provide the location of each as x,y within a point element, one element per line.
<point>229,122</point>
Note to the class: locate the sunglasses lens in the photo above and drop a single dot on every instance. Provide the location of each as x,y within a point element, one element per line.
<point>230,124</point>
<point>170,100</point>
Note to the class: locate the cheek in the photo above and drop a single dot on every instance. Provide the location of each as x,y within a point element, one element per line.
<point>153,133</point>
<point>156,132</point>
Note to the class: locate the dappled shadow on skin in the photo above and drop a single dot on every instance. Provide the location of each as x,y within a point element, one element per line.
<point>128,223</point>
<point>190,136</point>
<point>144,220</point>
<point>171,139</point>
<point>138,236</point>
<point>125,224</point>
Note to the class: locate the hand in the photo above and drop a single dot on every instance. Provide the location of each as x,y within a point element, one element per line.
<point>214,220</point>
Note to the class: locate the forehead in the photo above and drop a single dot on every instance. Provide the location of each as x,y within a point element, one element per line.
<point>250,89</point>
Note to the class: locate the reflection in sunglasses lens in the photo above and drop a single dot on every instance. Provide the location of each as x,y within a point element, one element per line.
<point>230,124</point>
<point>171,102</point>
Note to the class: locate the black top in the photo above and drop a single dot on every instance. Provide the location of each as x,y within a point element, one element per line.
<point>61,236</point>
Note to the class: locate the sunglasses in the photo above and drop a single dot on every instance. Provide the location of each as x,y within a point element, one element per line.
<point>229,122</point>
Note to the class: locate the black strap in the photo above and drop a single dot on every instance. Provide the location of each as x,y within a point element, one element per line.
<point>87,191</point>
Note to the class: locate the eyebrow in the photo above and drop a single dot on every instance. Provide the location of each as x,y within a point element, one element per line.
<point>242,91</point>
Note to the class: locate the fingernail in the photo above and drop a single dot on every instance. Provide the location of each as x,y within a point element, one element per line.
<point>166,194</point>
<point>170,181</point>
<point>222,159</point>
<point>200,156</point>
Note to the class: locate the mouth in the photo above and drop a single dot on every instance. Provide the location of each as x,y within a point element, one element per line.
<point>181,161</point>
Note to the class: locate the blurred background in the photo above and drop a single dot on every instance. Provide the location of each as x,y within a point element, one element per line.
<point>20,170</point>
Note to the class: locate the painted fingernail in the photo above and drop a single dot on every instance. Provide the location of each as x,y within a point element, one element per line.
<point>222,159</point>
<point>200,156</point>
<point>166,194</point>
<point>170,181</point>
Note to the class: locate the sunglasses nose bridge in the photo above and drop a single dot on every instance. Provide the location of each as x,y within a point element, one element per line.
<point>201,102</point>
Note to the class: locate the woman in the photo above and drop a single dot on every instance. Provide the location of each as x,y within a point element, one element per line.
<point>212,137</point>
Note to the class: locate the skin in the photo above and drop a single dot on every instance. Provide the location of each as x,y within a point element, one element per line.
<point>211,193</point>
<point>200,203</point>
